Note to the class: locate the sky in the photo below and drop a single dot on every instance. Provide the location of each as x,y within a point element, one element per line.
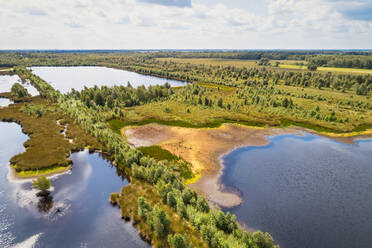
<point>185,24</point>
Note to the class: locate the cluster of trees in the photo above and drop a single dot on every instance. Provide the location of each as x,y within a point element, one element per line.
<point>155,217</point>
<point>121,96</point>
<point>344,61</point>
<point>18,90</point>
<point>37,110</point>
<point>227,75</point>
<point>217,228</point>
<point>234,76</point>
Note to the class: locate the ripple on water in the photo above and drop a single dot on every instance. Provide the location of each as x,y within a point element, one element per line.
<point>306,191</point>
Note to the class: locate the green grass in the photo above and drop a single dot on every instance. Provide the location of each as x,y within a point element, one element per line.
<point>158,153</point>
<point>331,69</point>
<point>116,125</point>
<point>42,172</point>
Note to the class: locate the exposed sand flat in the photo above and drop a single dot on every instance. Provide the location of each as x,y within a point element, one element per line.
<point>204,148</point>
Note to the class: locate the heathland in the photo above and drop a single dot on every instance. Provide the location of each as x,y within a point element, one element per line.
<point>261,90</point>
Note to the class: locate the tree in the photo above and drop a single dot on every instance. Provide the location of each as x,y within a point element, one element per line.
<point>159,222</point>
<point>220,102</point>
<point>177,241</point>
<point>42,184</point>
<point>312,67</point>
<point>19,91</point>
<point>171,200</point>
<point>362,90</point>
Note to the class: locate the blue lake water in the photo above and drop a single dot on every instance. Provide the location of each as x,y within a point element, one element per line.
<point>87,219</point>
<point>64,78</point>
<point>307,191</point>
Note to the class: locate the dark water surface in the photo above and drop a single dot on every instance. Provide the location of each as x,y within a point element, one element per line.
<point>306,191</point>
<point>87,219</point>
<point>64,78</point>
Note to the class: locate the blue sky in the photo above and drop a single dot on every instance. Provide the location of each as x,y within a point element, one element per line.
<point>180,24</point>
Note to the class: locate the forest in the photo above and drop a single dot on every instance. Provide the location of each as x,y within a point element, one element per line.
<point>166,211</point>
<point>214,227</point>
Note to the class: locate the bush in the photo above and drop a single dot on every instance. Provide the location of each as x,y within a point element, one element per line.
<point>42,184</point>
<point>178,241</point>
<point>114,197</point>
<point>19,91</point>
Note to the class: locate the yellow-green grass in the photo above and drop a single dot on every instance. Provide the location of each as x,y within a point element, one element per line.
<point>42,172</point>
<point>288,62</point>
<point>193,179</point>
<point>213,61</point>
<point>331,69</point>
<point>128,203</point>
<point>179,113</point>
<point>176,113</point>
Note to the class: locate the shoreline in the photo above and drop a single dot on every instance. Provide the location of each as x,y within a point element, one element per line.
<point>207,159</point>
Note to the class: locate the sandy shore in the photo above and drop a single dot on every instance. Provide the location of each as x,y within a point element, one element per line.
<point>204,148</point>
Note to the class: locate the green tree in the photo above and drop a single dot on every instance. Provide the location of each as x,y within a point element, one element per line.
<point>19,91</point>
<point>312,67</point>
<point>177,241</point>
<point>42,184</point>
<point>220,102</point>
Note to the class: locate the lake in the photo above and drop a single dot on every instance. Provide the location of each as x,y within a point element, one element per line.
<point>5,102</point>
<point>6,83</point>
<point>307,191</point>
<point>65,78</point>
<point>86,219</point>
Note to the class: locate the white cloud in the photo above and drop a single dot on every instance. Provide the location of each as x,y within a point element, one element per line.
<point>86,24</point>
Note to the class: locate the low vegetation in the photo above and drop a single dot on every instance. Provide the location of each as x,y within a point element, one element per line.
<point>47,150</point>
<point>42,183</point>
<point>188,211</point>
<point>18,90</point>
<point>166,212</point>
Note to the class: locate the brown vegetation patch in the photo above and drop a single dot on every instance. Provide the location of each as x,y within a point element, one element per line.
<point>47,147</point>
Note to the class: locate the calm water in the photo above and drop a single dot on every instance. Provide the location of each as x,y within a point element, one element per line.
<point>66,78</point>
<point>306,191</point>
<point>6,83</point>
<point>87,219</point>
<point>5,102</point>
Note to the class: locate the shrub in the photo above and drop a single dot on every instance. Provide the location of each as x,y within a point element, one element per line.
<point>19,91</point>
<point>42,184</point>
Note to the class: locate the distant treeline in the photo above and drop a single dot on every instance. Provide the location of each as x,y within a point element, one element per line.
<point>328,58</point>
<point>344,61</point>
<point>257,55</point>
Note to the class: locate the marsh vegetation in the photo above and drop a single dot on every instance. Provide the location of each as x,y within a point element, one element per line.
<point>256,91</point>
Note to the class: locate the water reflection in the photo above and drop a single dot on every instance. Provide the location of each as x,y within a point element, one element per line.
<point>77,210</point>
<point>306,191</point>
<point>45,204</point>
